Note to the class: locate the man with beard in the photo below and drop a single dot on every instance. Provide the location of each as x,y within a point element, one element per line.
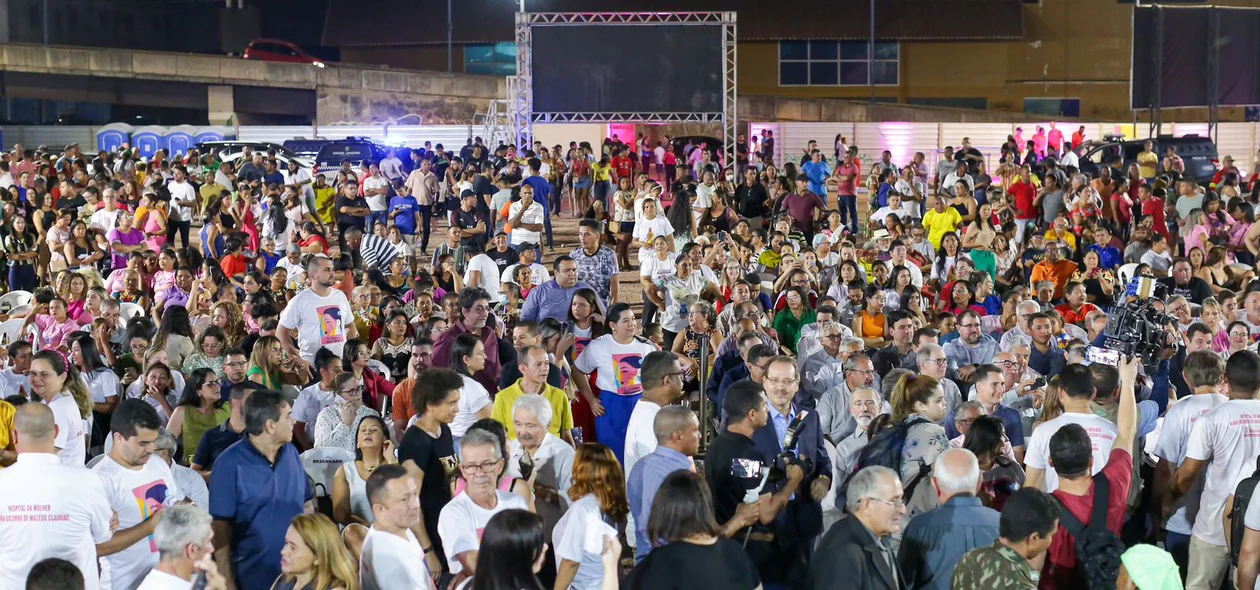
<point>421,359</point>
<point>833,405</point>
<point>865,404</point>
<point>317,317</point>
<point>474,304</point>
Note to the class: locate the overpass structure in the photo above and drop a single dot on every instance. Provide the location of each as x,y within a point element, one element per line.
<point>232,89</point>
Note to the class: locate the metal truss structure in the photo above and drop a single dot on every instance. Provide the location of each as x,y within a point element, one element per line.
<point>520,88</point>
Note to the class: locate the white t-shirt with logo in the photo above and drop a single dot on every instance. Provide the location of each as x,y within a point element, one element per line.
<point>579,537</point>
<point>1102,434</point>
<point>378,202</point>
<point>71,430</point>
<point>1228,438</point>
<point>319,321</point>
<point>462,522</point>
<point>618,363</point>
<point>135,496</point>
<point>489,275</point>
<point>1174,435</point>
<point>50,510</point>
<point>646,230</point>
<point>389,561</point>
<point>532,215</point>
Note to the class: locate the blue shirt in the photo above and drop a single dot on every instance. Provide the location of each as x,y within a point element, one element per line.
<point>542,189</point>
<point>1049,363</point>
<point>1109,256</point>
<point>645,479</point>
<point>936,540</point>
<point>817,173</point>
<point>260,499</point>
<point>550,300</point>
<point>407,207</point>
<point>271,259</point>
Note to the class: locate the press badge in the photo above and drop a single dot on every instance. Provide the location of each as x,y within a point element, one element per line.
<point>746,468</point>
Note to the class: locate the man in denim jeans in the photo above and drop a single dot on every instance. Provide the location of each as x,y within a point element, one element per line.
<point>376,191</point>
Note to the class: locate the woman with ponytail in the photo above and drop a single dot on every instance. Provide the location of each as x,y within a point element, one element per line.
<point>58,386</point>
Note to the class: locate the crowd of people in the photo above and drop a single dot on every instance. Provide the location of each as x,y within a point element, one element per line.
<point>889,379</point>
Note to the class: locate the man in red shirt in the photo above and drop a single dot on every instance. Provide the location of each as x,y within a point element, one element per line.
<point>623,166</point>
<point>1023,195</point>
<point>1153,207</point>
<point>1072,456</point>
<point>804,206</point>
<point>1078,138</point>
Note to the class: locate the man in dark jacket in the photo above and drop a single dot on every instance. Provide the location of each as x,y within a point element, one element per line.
<point>857,556</point>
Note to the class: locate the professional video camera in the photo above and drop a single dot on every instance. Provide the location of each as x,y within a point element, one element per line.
<point>1135,328</point>
<point>788,456</point>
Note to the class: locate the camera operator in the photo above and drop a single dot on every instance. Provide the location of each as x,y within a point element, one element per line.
<point>736,469</point>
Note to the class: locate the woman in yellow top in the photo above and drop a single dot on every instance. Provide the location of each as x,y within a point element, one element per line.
<point>601,174</point>
<point>7,454</point>
<point>325,200</point>
<point>870,324</point>
<point>940,220</point>
<point>1148,161</point>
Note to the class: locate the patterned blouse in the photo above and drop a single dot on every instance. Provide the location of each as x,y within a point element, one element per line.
<point>330,431</point>
<point>14,244</point>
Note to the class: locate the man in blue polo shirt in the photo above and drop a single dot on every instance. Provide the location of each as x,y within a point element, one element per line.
<point>990,385</point>
<point>404,211</point>
<point>256,488</point>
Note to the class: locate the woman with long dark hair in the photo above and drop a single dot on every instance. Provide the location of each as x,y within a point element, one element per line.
<point>372,448</point>
<point>200,407</point>
<point>468,356</point>
<point>1002,474</point>
<point>21,251</point>
<point>688,548</point>
<point>102,383</point>
<point>174,335</point>
<point>511,554</point>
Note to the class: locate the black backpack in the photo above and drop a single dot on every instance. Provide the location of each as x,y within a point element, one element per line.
<point>1098,549</point>
<point>1242,497</point>
<point>886,450</point>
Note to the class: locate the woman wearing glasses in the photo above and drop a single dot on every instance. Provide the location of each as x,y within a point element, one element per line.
<point>376,388</point>
<point>200,407</point>
<point>336,425</point>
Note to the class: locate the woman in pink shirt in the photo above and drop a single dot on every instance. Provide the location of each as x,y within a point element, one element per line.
<point>53,323</point>
<point>1198,233</point>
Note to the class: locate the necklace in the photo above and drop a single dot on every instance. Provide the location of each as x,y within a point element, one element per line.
<point>370,468</point>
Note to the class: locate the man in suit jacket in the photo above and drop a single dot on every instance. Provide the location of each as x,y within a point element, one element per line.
<point>801,521</point>
<point>856,549</point>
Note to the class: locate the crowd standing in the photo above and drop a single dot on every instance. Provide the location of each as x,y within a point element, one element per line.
<point>370,379</point>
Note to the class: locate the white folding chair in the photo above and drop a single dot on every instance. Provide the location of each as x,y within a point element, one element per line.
<point>11,330</point>
<point>14,299</point>
<point>321,465</point>
<point>379,368</point>
<point>21,310</point>
<point>1125,274</point>
<point>128,310</point>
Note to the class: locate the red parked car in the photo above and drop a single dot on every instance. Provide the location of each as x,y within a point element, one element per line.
<point>277,50</point>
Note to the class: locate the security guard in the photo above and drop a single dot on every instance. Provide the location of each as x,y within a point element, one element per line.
<point>736,470</point>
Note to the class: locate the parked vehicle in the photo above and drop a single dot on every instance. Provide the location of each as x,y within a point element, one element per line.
<point>232,150</point>
<point>306,148</point>
<point>277,50</point>
<point>353,149</point>
<point>1198,153</point>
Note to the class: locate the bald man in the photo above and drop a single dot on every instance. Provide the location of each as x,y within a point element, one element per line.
<point>935,540</point>
<point>54,509</point>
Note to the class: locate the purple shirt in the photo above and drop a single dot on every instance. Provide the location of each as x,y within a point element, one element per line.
<point>128,239</point>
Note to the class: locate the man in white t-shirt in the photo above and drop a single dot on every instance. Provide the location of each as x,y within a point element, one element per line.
<point>138,486</point>
<point>391,168</point>
<point>392,556</point>
<point>481,271</point>
<point>1076,389</point>
<point>14,378</point>
<point>183,205</point>
<point>1223,447</point>
<point>376,192</point>
<point>50,509</point>
<point>106,218</point>
<point>526,218</point>
<point>662,377</point>
<point>1204,371</point>
<point>318,316</point>
<point>464,518</point>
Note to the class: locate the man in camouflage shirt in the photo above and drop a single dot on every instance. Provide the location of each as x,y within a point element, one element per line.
<point>1029,521</point>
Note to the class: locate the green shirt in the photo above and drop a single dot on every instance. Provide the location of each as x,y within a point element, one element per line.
<point>995,566</point>
<point>789,326</point>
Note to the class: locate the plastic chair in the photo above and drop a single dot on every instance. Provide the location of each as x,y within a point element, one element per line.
<point>380,369</point>
<point>13,299</point>
<point>1125,274</point>
<point>128,310</point>
<point>11,330</point>
<point>21,311</point>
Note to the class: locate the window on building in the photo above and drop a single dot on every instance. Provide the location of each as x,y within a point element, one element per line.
<point>498,59</point>
<point>1053,107</point>
<point>846,63</point>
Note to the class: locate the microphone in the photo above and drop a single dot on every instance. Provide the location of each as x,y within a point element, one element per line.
<point>794,430</point>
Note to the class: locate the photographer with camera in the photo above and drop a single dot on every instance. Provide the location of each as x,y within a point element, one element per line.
<point>738,470</point>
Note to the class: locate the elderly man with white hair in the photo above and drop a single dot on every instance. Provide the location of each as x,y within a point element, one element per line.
<point>934,363</point>
<point>548,456</point>
<point>833,406</point>
<point>184,542</point>
<point>856,551</point>
<point>190,482</point>
<point>1022,330</point>
<point>820,366</point>
<point>935,540</point>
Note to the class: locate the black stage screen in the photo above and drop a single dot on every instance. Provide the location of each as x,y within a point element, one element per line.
<point>621,68</point>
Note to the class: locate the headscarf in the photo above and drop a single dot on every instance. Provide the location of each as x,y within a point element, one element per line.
<point>1151,568</point>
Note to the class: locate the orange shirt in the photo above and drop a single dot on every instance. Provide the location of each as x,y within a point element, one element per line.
<point>402,402</point>
<point>1075,317</point>
<point>1058,273</point>
<point>234,264</point>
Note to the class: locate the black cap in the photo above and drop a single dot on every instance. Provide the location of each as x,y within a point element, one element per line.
<point>526,246</point>
<point>467,193</point>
